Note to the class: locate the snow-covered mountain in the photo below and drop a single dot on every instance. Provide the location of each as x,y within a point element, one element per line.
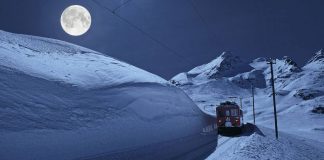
<point>318,58</point>
<point>62,101</point>
<point>300,91</point>
<point>226,65</point>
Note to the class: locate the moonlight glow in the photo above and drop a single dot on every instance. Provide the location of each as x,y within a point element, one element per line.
<point>75,20</point>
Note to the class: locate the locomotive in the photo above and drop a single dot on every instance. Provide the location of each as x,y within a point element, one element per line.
<point>229,117</point>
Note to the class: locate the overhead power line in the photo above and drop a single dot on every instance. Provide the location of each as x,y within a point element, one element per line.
<point>196,10</point>
<point>172,51</point>
<point>121,6</point>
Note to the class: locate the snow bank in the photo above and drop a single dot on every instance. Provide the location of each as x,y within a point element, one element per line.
<point>261,147</point>
<point>60,61</point>
<point>252,147</point>
<point>43,120</point>
<point>102,105</point>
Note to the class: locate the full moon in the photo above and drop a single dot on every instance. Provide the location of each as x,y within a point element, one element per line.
<point>76,20</point>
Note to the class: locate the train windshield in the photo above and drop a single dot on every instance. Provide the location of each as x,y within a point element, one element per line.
<point>228,112</point>
<point>234,112</point>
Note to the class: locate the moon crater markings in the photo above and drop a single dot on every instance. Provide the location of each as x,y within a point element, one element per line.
<point>76,20</point>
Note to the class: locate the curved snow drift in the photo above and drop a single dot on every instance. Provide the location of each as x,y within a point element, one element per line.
<point>60,61</point>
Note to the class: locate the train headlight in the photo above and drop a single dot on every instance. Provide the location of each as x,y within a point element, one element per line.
<point>219,121</point>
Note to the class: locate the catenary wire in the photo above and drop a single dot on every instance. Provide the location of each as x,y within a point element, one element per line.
<point>172,51</point>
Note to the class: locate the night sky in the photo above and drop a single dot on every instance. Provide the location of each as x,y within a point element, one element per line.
<point>166,37</point>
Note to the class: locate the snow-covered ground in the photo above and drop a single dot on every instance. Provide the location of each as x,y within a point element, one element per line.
<point>62,101</point>
<point>264,146</point>
<point>299,91</point>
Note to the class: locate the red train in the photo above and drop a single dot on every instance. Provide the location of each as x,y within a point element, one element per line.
<point>229,117</point>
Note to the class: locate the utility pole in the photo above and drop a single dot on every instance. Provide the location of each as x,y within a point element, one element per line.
<point>252,88</point>
<point>241,109</point>
<point>271,62</point>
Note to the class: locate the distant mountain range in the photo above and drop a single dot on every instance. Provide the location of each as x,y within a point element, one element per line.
<point>244,74</point>
<point>300,90</point>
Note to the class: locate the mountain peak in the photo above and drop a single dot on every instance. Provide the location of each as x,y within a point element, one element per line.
<point>226,54</point>
<point>289,61</point>
<point>320,52</point>
<point>224,65</point>
<point>319,56</point>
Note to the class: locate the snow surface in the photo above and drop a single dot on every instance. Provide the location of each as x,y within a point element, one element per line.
<point>298,91</point>
<point>264,146</point>
<point>62,101</point>
<point>60,61</point>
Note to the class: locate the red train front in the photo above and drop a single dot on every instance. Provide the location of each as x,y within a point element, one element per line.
<point>229,117</point>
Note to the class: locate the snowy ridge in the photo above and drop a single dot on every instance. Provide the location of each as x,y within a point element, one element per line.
<point>284,69</point>
<point>316,62</point>
<point>246,79</point>
<point>60,61</point>
<point>319,57</point>
<point>225,65</point>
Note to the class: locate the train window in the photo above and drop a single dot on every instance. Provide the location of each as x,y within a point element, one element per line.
<point>227,113</point>
<point>220,114</point>
<point>234,112</point>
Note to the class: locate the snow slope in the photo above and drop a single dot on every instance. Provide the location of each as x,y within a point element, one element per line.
<point>62,101</point>
<point>298,91</point>
<point>60,61</point>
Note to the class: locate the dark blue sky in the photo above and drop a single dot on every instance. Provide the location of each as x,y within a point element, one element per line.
<point>186,33</point>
